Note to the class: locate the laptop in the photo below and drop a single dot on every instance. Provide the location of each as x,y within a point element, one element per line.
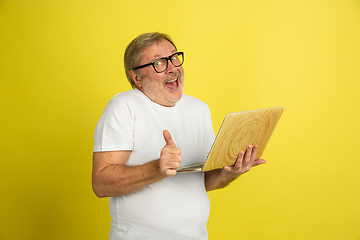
<point>239,130</point>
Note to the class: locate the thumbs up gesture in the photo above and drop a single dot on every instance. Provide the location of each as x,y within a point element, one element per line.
<point>170,157</point>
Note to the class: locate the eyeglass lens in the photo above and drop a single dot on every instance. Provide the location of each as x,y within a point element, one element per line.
<point>161,64</point>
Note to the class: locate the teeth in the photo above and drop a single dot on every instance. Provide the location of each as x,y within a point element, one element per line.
<point>172,80</point>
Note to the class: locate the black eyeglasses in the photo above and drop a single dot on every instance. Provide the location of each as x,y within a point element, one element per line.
<point>161,64</point>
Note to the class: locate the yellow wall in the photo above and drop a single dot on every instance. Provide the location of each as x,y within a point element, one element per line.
<point>61,61</point>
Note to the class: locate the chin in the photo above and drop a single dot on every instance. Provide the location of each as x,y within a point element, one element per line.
<point>173,101</point>
<point>177,98</point>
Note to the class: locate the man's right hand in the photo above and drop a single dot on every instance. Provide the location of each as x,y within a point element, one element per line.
<point>170,156</point>
<point>111,177</point>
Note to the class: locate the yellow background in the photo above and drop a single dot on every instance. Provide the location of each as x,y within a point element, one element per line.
<point>61,61</point>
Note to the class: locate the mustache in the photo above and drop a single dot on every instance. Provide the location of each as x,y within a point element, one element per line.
<point>176,74</point>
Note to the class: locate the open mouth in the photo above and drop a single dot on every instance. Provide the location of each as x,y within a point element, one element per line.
<point>173,83</point>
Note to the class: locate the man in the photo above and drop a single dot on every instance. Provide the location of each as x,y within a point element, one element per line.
<point>142,138</point>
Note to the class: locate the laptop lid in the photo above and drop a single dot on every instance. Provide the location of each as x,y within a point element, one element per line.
<point>239,130</point>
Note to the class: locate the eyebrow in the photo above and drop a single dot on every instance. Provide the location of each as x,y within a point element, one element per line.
<point>158,56</point>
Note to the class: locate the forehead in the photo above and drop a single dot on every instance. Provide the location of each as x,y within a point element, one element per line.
<point>162,48</point>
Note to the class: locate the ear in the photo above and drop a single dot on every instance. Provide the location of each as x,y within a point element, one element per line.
<point>136,78</point>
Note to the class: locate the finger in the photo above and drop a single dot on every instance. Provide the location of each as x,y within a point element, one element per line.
<point>254,153</point>
<point>170,172</point>
<point>173,165</point>
<point>248,154</point>
<point>168,138</point>
<point>171,168</point>
<point>227,168</point>
<point>167,167</point>
<point>239,161</point>
<point>259,162</point>
<point>167,149</point>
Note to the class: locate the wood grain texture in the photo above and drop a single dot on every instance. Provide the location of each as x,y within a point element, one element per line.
<point>240,130</point>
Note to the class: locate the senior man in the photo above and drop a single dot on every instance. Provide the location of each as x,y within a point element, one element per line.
<point>142,138</point>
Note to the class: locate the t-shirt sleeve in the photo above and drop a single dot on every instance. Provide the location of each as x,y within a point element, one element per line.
<point>115,129</point>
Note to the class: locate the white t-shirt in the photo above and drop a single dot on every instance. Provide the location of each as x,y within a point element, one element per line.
<point>176,207</point>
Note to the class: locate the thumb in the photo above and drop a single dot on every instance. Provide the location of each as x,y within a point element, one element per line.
<point>168,139</point>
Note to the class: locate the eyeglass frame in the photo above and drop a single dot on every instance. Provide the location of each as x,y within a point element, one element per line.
<point>167,62</point>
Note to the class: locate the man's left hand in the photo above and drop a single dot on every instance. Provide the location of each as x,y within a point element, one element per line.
<point>244,162</point>
<point>220,178</point>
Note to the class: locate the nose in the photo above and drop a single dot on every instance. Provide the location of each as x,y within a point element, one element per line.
<point>171,67</point>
